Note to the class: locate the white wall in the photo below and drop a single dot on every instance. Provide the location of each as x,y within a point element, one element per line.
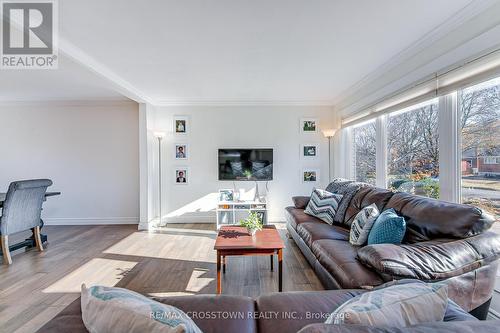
<point>89,150</point>
<point>214,127</point>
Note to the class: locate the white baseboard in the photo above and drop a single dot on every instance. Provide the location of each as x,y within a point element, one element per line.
<point>191,219</point>
<point>194,219</point>
<point>89,220</point>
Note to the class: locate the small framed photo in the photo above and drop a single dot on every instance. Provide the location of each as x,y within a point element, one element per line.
<point>309,125</point>
<point>181,125</point>
<point>181,175</point>
<point>226,195</point>
<point>310,175</point>
<point>181,151</point>
<point>309,151</point>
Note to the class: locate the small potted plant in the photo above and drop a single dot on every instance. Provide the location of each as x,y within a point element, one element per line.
<point>248,174</point>
<point>252,223</point>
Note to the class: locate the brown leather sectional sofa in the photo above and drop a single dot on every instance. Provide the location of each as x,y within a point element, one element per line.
<point>276,313</point>
<point>444,242</point>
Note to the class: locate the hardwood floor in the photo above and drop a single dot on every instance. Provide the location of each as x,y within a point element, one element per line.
<point>175,261</point>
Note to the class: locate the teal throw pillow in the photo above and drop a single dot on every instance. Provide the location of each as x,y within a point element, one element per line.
<point>389,228</point>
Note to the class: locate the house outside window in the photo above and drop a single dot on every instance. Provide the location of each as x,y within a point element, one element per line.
<point>479,107</point>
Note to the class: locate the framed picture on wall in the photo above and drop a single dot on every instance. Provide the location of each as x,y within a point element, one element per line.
<point>309,151</point>
<point>181,175</point>
<point>181,125</point>
<point>181,151</point>
<point>310,175</point>
<point>309,125</point>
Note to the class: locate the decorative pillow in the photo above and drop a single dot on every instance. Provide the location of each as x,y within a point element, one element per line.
<point>107,309</point>
<point>346,188</point>
<point>389,228</point>
<point>396,306</point>
<point>362,224</point>
<point>323,205</point>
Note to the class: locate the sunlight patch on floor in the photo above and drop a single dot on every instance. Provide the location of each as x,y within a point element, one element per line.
<point>170,294</point>
<point>197,282</point>
<point>167,246</point>
<point>98,271</point>
<point>280,225</point>
<point>172,228</point>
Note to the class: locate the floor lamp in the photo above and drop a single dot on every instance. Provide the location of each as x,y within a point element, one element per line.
<point>329,134</point>
<point>159,136</point>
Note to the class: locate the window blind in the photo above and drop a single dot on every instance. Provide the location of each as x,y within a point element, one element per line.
<point>458,77</point>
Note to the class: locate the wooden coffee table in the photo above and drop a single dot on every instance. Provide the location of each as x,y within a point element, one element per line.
<point>235,241</point>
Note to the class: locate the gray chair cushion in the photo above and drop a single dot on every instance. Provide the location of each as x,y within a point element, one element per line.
<point>23,205</point>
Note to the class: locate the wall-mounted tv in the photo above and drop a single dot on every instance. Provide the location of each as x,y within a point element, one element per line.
<point>245,164</point>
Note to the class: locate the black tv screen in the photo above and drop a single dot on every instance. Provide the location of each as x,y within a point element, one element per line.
<point>245,164</point>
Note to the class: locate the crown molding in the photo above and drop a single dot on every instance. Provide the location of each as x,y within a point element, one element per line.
<point>242,102</point>
<point>67,103</point>
<point>462,16</point>
<point>118,83</point>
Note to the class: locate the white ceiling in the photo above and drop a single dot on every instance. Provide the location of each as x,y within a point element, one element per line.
<point>70,82</point>
<point>196,51</point>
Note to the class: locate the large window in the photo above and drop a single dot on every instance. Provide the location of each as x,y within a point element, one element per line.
<point>413,152</point>
<point>480,129</point>
<point>411,161</point>
<point>364,146</point>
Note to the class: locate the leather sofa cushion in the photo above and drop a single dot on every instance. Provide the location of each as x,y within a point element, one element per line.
<point>295,216</point>
<point>365,197</point>
<point>472,289</point>
<point>295,310</point>
<point>427,218</point>
<point>312,231</point>
<point>301,202</point>
<point>198,305</point>
<point>338,257</point>
<point>432,260</point>
<point>489,326</point>
<point>68,320</point>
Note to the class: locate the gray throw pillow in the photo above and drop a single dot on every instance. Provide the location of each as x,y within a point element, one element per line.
<point>396,306</point>
<point>362,224</point>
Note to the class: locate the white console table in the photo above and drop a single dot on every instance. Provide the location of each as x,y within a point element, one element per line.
<point>231,212</point>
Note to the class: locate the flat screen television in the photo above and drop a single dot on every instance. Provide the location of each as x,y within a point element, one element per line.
<point>245,164</point>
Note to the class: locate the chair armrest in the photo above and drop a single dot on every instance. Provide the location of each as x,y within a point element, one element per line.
<point>300,202</point>
<point>432,260</point>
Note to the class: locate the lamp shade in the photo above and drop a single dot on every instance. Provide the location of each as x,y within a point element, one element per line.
<point>329,133</point>
<point>159,134</point>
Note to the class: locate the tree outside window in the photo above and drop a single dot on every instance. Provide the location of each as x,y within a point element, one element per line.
<point>364,139</point>
<point>413,150</point>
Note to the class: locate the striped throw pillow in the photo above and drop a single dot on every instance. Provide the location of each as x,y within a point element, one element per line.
<point>362,224</point>
<point>323,205</point>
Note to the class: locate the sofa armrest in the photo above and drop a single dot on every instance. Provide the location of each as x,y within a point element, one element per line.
<point>432,260</point>
<point>300,202</point>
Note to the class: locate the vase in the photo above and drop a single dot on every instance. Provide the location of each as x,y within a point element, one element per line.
<point>251,231</point>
